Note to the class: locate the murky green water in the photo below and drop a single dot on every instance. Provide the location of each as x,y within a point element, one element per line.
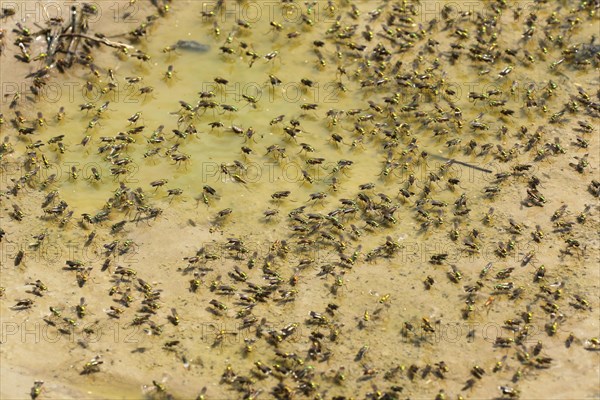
<point>369,256</point>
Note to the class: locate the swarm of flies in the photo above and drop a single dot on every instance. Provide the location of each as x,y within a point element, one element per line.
<point>404,153</point>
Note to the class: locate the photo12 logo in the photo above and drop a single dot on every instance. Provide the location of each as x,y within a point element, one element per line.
<point>42,12</point>
<point>72,257</point>
<point>68,331</point>
<point>89,93</point>
<point>429,11</point>
<point>221,334</point>
<point>251,12</point>
<point>256,93</point>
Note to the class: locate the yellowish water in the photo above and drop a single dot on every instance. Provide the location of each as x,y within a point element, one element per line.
<point>366,316</point>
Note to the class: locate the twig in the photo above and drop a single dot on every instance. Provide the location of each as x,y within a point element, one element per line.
<point>73,27</point>
<point>107,42</point>
<point>453,161</point>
